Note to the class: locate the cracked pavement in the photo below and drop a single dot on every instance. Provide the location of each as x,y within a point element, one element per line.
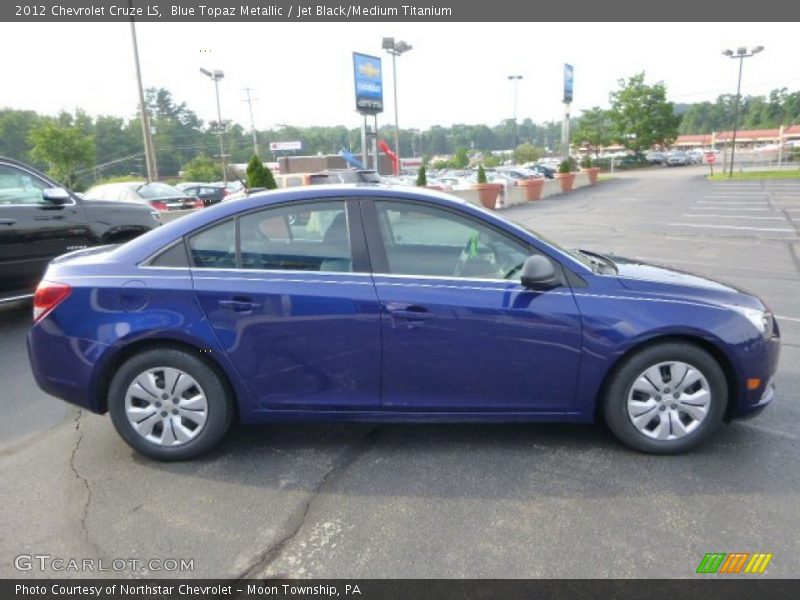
<point>464,500</point>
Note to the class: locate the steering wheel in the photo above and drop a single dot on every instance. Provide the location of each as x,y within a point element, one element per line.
<point>463,258</point>
<point>471,249</point>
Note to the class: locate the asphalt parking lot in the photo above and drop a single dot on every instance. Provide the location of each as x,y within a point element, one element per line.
<point>445,500</point>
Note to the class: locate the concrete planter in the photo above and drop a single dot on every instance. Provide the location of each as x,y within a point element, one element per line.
<point>488,193</point>
<point>592,172</point>
<point>566,181</point>
<point>532,188</point>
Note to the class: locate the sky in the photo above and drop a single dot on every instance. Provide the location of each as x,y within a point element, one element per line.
<point>302,73</point>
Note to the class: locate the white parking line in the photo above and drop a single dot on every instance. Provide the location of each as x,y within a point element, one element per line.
<point>732,202</point>
<point>782,318</point>
<point>733,227</point>
<point>724,208</point>
<point>755,217</point>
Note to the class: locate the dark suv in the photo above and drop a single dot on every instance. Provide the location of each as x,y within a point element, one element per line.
<point>40,220</point>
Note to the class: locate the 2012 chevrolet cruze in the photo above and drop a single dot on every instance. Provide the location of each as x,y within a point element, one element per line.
<point>377,303</point>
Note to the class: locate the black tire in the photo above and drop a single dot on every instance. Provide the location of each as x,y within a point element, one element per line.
<point>615,401</point>
<point>219,402</point>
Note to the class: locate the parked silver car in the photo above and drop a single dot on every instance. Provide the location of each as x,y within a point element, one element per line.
<point>678,159</point>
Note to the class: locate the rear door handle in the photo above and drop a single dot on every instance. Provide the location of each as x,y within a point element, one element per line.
<point>8,221</point>
<point>239,304</point>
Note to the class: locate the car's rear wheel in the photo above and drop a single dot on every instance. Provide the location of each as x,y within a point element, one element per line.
<point>666,398</point>
<point>169,404</point>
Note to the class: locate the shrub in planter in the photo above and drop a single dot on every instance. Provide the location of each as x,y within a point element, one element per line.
<point>487,192</point>
<point>565,176</point>
<point>588,168</point>
<point>532,187</point>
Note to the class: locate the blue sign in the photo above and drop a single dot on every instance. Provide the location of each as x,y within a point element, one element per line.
<point>568,81</point>
<point>369,83</point>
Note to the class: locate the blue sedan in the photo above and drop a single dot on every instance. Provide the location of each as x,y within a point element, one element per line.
<point>376,303</point>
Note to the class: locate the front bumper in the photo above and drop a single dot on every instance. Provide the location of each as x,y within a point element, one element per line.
<point>762,363</point>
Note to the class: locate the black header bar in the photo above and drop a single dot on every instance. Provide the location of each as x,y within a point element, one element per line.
<point>443,11</point>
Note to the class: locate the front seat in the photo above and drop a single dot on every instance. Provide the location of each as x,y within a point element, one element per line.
<point>336,246</point>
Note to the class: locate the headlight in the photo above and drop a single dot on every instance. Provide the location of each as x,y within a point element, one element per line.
<point>762,320</point>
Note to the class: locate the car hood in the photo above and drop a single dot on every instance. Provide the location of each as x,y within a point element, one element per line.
<point>651,278</point>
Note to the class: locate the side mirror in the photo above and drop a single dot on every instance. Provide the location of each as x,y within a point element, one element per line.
<point>538,273</point>
<point>55,195</point>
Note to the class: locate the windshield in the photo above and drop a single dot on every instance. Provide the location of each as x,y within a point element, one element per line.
<point>577,255</point>
<point>154,190</point>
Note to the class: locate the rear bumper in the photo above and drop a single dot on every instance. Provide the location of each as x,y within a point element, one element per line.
<point>64,366</point>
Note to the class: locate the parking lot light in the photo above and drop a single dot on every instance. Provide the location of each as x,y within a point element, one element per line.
<point>215,76</point>
<point>740,54</point>
<point>395,48</point>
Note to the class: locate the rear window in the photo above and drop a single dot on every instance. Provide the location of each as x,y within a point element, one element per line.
<point>171,257</point>
<point>159,190</point>
<point>215,247</point>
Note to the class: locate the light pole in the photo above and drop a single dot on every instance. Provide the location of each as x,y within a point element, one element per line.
<point>215,76</point>
<point>741,53</point>
<point>395,48</point>
<point>515,79</point>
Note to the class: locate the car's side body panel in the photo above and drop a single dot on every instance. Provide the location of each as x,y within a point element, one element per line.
<point>564,342</point>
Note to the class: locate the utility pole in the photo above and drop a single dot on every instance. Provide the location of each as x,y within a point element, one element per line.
<point>515,79</point>
<point>252,121</point>
<point>147,138</point>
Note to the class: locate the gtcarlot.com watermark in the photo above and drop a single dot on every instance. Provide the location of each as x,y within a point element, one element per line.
<point>60,564</point>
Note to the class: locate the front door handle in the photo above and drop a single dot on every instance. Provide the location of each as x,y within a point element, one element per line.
<point>8,221</point>
<point>409,312</point>
<point>239,304</point>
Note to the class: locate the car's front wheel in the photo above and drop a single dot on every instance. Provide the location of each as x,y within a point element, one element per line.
<point>169,404</point>
<point>666,398</point>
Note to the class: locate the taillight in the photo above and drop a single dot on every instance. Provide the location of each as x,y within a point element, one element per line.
<point>158,204</point>
<point>48,295</point>
<point>198,203</point>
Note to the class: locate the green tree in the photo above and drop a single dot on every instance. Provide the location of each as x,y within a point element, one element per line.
<point>270,179</point>
<point>490,160</point>
<point>63,148</point>
<point>642,116</point>
<point>525,153</point>
<point>481,174</point>
<point>422,178</point>
<point>259,176</point>
<point>461,158</point>
<point>15,127</point>
<point>594,130</point>
<point>202,168</point>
